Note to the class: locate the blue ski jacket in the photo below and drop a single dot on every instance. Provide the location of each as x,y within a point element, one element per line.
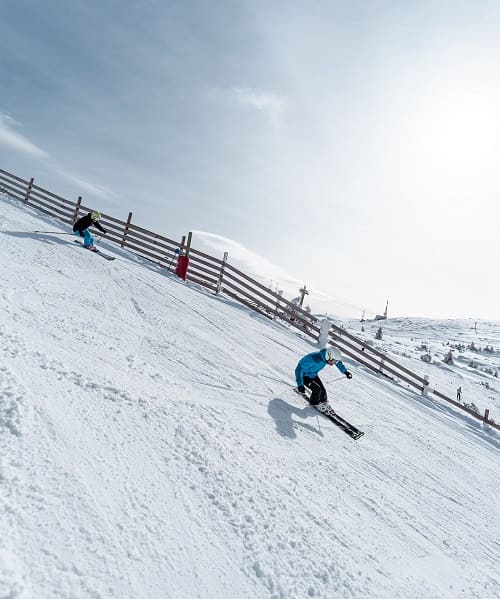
<point>311,364</point>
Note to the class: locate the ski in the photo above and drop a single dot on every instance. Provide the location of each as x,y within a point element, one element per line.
<point>330,413</point>
<point>96,251</point>
<point>347,427</point>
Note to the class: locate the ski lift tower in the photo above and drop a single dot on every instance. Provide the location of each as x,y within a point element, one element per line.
<point>303,292</point>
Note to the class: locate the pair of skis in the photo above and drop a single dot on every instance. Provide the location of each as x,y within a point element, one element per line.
<point>96,251</point>
<point>330,413</point>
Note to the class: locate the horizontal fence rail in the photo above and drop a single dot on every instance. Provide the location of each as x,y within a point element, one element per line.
<point>219,276</point>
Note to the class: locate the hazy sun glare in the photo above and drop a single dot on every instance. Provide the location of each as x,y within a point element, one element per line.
<point>456,126</point>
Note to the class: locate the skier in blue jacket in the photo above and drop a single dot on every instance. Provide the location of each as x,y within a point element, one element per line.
<point>306,374</point>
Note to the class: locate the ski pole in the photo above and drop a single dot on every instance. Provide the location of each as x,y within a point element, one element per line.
<point>56,232</point>
<point>176,253</point>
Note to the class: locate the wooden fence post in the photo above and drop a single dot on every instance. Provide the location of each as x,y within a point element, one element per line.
<point>77,208</point>
<point>486,415</point>
<point>188,246</point>
<point>221,274</point>
<point>28,191</point>
<point>129,219</point>
<point>381,365</point>
<point>426,388</point>
<point>276,309</point>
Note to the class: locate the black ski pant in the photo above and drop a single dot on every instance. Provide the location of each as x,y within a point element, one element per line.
<point>318,391</point>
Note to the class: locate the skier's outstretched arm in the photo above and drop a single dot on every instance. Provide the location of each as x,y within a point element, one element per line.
<point>343,369</point>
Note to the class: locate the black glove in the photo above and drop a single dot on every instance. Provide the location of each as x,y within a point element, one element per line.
<point>301,389</point>
<point>104,231</point>
<point>348,375</point>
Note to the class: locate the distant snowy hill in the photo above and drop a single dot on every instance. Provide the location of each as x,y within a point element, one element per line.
<point>151,445</point>
<point>474,347</point>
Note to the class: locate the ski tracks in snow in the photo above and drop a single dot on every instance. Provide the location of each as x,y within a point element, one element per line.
<point>11,402</point>
<point>11,390</point>
<point>12,411</point>
<point>277,534</point>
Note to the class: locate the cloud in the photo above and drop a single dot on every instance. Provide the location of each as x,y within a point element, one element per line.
<point>96,190</point>
<point>271,275</point>
<point>10,137</point>
<point>240,256</point>
<point>269,105</point>
<point>13,139</point>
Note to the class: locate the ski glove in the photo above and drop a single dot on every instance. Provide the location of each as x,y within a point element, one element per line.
<point>348,375</point>
<point>301,389</point>
<point>104,231</point>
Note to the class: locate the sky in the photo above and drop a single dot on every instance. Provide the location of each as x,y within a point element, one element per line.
<point>152,447</point>
<point>351,146</point>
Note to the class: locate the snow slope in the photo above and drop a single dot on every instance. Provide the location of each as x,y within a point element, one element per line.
<point>151,446</point>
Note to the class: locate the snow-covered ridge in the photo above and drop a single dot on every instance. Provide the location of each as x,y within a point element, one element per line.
<point>151,446</point>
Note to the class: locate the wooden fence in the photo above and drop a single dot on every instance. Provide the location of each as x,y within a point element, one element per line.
<point>219,276</point>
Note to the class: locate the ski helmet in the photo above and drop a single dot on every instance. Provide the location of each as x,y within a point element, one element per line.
<point>94,215</point>
<point>332,354</point>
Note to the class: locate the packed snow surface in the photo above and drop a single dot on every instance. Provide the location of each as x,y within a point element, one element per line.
<point>151,445</point>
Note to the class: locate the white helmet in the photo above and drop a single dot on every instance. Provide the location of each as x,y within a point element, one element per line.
<point>332,354</point>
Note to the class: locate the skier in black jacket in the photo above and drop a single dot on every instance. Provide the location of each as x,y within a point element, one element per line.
<point>81,228</point>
